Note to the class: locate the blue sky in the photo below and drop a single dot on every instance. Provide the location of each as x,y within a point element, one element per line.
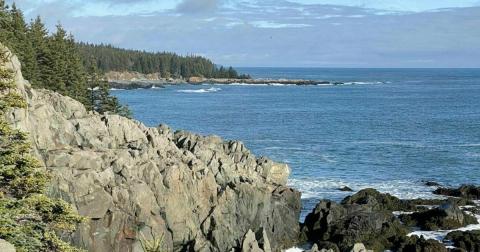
<point>304,33</point>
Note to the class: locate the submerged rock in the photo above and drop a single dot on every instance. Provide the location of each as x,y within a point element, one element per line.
<point>431,183</point>
<point>345,189</point>
<point>196,193</point>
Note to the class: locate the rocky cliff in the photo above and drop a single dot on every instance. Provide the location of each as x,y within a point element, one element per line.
<point>192,192</point>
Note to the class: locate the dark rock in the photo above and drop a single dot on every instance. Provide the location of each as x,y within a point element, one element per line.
<point>346,225</point>
<point>416,244</point>
<point>431,183</point>
<point>465,191</point>
<point>378,201</point>
<point>468,241</point>
<point>345,189</point>
<point>447,216</point>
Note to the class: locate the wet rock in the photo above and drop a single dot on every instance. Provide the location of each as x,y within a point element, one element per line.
<point>378,201</point>
<point>346,225</point>
<point>468,241</point>
<point>345,189</point>
<point>447,216</point>
<point>465,191</point>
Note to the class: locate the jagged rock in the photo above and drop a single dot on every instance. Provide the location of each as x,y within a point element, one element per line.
<point>250,243</point>
<point>447,216</point>
<point>6,246</point>
<point>468,241</point>
<point>198,193</point>
<point>465,191</point>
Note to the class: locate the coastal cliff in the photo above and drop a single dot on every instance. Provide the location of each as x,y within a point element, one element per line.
<point>135,183</point>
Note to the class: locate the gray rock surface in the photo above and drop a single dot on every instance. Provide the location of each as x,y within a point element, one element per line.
<point>198,193</point>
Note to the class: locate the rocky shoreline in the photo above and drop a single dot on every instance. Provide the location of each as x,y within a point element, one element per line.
<point>203,193</point>
<point>383,222</point>
<point>161,83</point>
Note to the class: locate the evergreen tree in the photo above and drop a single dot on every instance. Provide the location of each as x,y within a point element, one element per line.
<point>28,218</point>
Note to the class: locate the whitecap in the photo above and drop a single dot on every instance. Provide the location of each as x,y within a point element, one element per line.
<point>320,188</point>
<point>203,90</point>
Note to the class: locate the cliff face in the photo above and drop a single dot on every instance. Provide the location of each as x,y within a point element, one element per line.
<point>198,193</point>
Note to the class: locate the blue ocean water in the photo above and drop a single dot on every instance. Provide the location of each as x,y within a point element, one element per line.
<point>389,129</point>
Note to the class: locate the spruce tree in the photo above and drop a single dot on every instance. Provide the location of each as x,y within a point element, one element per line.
<point>28,218</point>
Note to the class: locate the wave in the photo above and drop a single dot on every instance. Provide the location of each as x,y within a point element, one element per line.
<point>203,90</point>
<point>116,89</point>
<point>325,188</point>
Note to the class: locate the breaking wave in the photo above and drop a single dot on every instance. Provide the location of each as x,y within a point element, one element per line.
<point>203,90</point>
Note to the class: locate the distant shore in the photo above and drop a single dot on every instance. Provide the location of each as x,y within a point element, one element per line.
<point>135,84</point>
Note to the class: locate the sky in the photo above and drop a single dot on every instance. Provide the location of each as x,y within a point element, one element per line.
<point>280,33</point>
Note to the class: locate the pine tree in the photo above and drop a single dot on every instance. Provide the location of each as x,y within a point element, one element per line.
<point>37,35</point>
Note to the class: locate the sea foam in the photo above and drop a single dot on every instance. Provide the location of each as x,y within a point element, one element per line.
<point>203,90</point>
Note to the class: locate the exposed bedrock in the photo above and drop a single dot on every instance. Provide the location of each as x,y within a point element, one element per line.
<point>196,193</point>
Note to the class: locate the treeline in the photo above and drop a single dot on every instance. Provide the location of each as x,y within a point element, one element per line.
<point>168,65</point>
<point>53,61</point>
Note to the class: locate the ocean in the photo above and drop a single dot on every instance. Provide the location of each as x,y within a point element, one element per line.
<point>389,129</point>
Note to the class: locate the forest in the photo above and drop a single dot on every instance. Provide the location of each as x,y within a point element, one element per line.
<point>168,65</point>
<point>55,61</point>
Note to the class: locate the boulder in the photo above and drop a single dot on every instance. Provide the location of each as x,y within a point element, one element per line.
<point>377,201</point>
<point>346,225</point>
